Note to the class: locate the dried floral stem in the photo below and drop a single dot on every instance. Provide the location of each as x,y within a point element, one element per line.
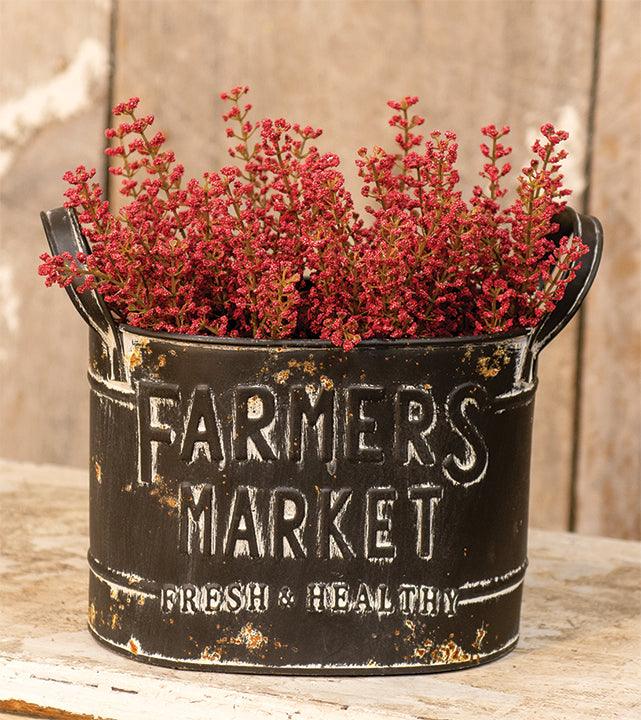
<point>271,246</point>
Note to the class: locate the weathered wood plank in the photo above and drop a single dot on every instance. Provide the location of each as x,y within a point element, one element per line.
<point>609,478</point>
<point>54,58</point>
<point>335,64</point>
<point>578,655</point>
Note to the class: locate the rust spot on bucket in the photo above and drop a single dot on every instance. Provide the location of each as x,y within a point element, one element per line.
<point>491,366</point>
<point>307,366</point>
<point>326,382</point>
<point>163,493</point>
<point>133,645</point>
<point>135,356</point>
<point>250,637</point>
<point>211,654</point>
<point>450,653</point>
<point>421,651</point>
<point>282,376</point>
<point>480,636</point>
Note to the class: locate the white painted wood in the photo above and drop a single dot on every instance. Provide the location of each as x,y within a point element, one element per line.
<point>578,656</point>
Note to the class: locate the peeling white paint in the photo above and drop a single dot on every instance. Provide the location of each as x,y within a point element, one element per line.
<point>497,579</point>
<point>62,96</point>
<point>491,596</point>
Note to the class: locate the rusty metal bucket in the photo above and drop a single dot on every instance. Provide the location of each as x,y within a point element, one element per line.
<point>290,507</point>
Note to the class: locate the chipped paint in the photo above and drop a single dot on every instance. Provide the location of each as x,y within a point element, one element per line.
<point>248,636</point>
<point>491,366</point>
<point>281,376</point>
<point>163,492</point>
<point>481,632</point>
<point>491,596</point>
<point>440,655</point>
<point>254,407</point>
<point>107,384</point>
<point>449,653</point>
<point>210,654</point>
<point>307,366</point>
<point>135,357</point>
<point>485,582</point>
<point>130,578</point>
<point>134,348</point>
<point>421,652</point>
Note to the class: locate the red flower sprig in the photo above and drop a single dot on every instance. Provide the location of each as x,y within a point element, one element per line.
<point>271,246</point>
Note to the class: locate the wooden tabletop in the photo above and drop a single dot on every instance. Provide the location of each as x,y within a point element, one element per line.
<point>578,656</point>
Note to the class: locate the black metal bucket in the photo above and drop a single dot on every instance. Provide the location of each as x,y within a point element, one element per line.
<point>291,507</point>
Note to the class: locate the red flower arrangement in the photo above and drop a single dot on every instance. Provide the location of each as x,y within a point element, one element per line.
<point>272,246</point>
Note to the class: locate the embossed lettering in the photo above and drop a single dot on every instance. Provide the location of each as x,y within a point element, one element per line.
<point>305,415</point>
<point>425,498</point>
<point>150,429</point>
<point>255,409</point>
<point>415,417</point>
<point>196,519</point>
<point>378,523</point>
<point>201,427</point>
<point>362,442</point>
<point>470,466</point>
<point>286,528</point>
<point>331,539</point>
<point>242,526</point>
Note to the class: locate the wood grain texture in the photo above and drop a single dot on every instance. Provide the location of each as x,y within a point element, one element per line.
<point>577,658</point>
<point>54,59</point>
<point>334,65</point>
<point>609,477</point>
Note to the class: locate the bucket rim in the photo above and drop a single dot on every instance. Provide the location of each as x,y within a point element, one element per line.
<point>319,344</point>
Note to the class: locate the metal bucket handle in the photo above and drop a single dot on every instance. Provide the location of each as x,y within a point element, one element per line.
<point>65,235</point>
<point>589,229</point>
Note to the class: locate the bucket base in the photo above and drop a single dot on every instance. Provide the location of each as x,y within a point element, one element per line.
<point>135,653</point>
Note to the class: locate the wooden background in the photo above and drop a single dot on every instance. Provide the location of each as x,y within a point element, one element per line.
<point>333,64</point>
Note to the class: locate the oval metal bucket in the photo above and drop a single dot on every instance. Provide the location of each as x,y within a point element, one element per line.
<point>291,507</point>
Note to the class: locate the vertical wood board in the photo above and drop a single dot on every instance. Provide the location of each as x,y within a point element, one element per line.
<point>54,58</point>
<point>609,473</point>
